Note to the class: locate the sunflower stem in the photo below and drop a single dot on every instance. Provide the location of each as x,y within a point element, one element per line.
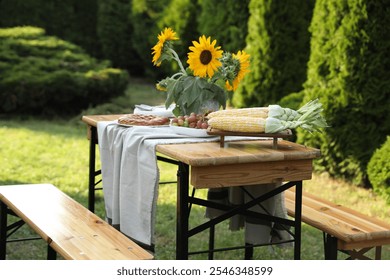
<point>176,57</point>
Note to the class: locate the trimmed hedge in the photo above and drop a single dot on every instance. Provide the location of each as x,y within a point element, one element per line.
<point>44,74</point>
<point>349,72</point>
<point>71,20</point>
<point>378,170</point>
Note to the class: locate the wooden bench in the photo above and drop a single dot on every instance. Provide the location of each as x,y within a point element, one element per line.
<point>69,228</point>
<point>344,229</point>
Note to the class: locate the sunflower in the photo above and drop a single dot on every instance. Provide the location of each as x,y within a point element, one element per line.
<point>203,58</point>
<point>243,68</point>
<point>166,35</point>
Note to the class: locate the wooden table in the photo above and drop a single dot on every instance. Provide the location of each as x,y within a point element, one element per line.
<point>238,163</point>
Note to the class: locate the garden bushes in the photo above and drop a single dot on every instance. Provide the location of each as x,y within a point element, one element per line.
<point>278,42</point>
<point>71,20</point>
<point>349,72</point>
<point>115,35</point>
<point>378,170</point>
<point>226,21</point>
<point>44,74</point>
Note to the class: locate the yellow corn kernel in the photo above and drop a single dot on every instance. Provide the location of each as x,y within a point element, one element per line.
<point>238,124</point>
<point>256,112</point>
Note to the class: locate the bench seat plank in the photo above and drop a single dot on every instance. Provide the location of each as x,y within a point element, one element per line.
<point>68,227</point>
<point>351,228</point>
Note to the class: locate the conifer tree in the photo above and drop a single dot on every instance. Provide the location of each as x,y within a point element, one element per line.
<point>349,72</point>
<point>226,21</point>
<point>114,31</point>
<point>278,42</point>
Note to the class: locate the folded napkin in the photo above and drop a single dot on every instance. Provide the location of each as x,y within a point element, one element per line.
<point>160,111</point>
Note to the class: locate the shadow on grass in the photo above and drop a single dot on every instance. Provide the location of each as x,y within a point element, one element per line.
<point>224,238</point>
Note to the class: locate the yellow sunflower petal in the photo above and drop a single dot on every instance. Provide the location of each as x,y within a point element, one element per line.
<point>157,50</point>
<point>243,58</point>
<point>166,35</point>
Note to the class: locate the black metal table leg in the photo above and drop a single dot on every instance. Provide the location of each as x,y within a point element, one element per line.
<point>51,253</point>
<point>330,247</point>
<point>298,220</point>
<point>211,242</point>
<point>182,212</point>
<point>92,158</point>
<point>3,230</point>
<point>248,251</point>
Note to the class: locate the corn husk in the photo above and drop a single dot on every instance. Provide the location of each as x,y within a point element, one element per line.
<point>274,118</point>
<point>307,117</point>
<point>285,114</point>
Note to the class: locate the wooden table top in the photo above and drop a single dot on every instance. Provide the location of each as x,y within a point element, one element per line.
<point>92,120</point>
<point>237,152</point>
<point>206,154</point>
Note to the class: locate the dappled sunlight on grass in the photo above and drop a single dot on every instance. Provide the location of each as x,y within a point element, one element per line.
<point>30,155</point>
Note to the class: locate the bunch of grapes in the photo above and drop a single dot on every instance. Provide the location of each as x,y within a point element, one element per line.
<point>192,121</point>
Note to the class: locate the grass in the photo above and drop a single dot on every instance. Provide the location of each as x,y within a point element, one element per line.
<point>41,151</point>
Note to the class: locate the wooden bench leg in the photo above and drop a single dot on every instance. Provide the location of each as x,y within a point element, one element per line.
<point>330,247</point>
<point>3,230</point>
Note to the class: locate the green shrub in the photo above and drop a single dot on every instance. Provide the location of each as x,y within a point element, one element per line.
<point>71,20</point>
<point>348,71</point>
<point>378,170</point>
<point>278,42</point>
<point>292,101</point>
<point>225,21</point>
<point>144,18</point>
<point>115,33</point>
<point>43,74</point>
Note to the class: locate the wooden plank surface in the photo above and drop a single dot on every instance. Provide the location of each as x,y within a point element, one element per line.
<point>72,230</point>
<point>243,174</point>
<point>92,120</point>
<point>352,228</point>
<point>237,152</point>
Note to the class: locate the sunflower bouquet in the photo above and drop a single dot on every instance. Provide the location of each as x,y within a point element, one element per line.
<point>211,77</point>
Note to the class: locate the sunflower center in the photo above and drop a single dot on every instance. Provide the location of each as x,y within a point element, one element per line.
<point>205,57</point>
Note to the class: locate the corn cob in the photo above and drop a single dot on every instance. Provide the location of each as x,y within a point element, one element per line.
<point>238,124</point>
<point>256,112</point>
<point>271,119</point>
<point>274,111</point>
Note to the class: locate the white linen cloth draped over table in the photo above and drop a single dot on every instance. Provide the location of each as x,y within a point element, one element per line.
<point>130,174</point>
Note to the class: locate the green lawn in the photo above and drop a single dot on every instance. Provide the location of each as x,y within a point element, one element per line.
<point>39,151</point>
